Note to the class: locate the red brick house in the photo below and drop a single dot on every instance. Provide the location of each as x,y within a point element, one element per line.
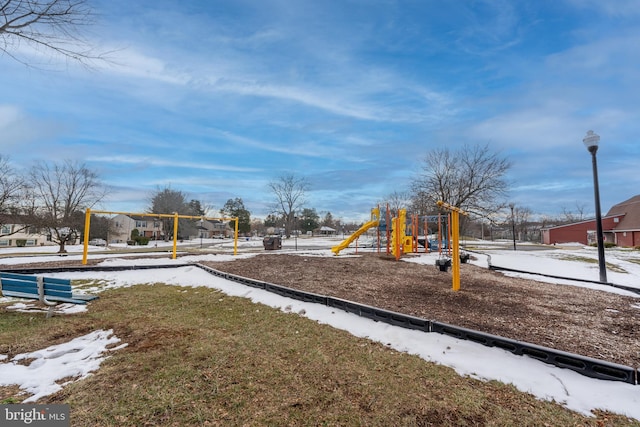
<point>621,225</point>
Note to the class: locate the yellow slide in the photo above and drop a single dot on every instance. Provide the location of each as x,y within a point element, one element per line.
<point>354,236</point>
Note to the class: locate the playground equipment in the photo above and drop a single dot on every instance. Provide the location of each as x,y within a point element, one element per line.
<point>374,222</point>
<point>402,233</point>
<point>455,241</point>
<point>175,216</point>
<point>401,242</point>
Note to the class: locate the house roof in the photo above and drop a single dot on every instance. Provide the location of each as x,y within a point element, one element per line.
<point>631,211</point>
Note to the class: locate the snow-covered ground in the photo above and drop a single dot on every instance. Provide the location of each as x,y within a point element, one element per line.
<point>573,390</point>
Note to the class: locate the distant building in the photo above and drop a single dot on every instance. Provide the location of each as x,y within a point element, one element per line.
<point>211,228</point>
<point>326,231</point>
<point>621,226</point>
<point>122,225</point>
<point>16,234</point>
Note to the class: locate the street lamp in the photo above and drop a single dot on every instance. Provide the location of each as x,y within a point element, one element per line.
<point>513,226</point>
<point>591,141</point>
<point>296,231</point>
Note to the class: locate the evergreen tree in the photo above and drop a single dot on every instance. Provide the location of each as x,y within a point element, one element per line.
<point>309,220</point>
<point>235,208</point>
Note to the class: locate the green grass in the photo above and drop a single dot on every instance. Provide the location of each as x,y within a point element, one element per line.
<point>198,357</point>
<point>610,267</point>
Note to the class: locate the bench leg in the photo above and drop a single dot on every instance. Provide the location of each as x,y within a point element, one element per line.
<point>50,311</point>
<point>43,299</point>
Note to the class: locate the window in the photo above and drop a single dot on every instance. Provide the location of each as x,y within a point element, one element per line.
<point>5,242</point>
<point>6,229</point>
<point>31,242</point>
<point>141,224</point>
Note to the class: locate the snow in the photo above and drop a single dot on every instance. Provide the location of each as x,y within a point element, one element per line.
<point>576,392</point>
<point>76,359</point>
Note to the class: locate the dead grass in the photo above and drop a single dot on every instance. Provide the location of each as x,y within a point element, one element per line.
<point>198,357</point>
<point>610,266</point>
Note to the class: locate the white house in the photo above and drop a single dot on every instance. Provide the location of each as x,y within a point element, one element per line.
<point>12,235</point>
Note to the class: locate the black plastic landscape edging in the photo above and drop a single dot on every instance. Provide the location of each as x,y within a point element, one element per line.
<point>65,269</point>
<point>626,288</point>
<point>586,366</point>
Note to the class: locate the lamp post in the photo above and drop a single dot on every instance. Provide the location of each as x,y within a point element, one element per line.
<point>591,141</point>
<point>296,231</point>
<point>513,226</point>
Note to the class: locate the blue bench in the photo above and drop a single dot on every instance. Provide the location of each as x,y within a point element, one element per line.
<point>48,290</point>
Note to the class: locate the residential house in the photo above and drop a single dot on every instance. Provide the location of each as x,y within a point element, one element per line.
<point>12,235</point>
<point>122,225</point>
<point>621,226</point>
<point>212,229</point>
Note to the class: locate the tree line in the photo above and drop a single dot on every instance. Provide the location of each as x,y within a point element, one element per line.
<point>53,196</point>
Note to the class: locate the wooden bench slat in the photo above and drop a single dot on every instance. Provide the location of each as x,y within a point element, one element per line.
<point>33,279</point>
<point>56,287</point>
<point>17,276</point>
<point>54,293</point>
<point>16,294</point>
<point>32,292</point>
<point>18,282</point>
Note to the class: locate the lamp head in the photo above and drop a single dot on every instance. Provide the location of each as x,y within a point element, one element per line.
<point>591,141</point>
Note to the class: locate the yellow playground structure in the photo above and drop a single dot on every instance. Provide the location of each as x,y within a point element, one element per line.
<point>374,222</point>
<point>401,242</point>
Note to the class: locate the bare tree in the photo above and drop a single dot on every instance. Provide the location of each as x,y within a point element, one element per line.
<point>471,178</point>
<point>11,185</point>
<point>398,200</point>
<point>578,215</point>
<point>168,201</point>
<point>14,200</point>
<point>63,191</point>
<point>47,25</point>
<point>289,191</point>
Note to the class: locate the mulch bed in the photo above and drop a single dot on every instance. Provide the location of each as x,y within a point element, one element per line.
<point>583,321</point>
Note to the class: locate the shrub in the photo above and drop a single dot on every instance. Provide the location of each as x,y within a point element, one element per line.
<point>21,243</point>
<point>606,245</point>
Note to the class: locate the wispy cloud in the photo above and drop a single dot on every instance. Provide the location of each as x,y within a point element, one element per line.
<point>150,161</point>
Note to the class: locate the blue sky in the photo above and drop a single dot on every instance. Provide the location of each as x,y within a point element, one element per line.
<point>219,98</point>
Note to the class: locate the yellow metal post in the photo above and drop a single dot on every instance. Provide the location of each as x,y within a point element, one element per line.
<point>454,242</point>
<point>175,235</point>
<point>87,225</point>
<point>235,238</point>
<point>455,257</point>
